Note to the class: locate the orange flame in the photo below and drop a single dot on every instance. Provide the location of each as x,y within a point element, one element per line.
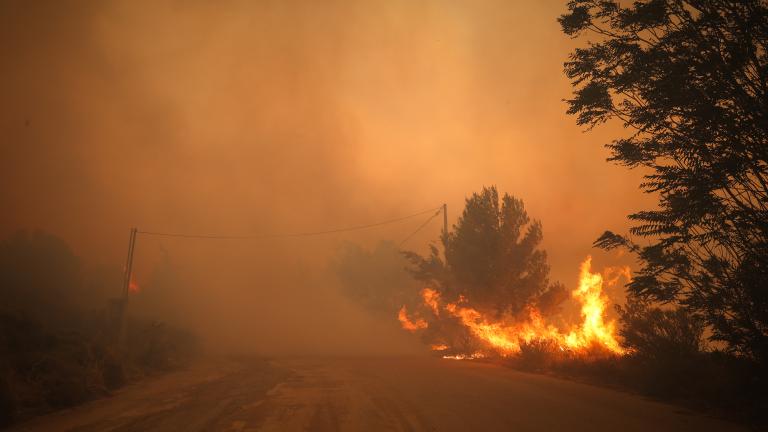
<point>408,324</point>
<point>472,356</point>
<point>430,297</point>
<point>594,329</point>
<point>506,336</point>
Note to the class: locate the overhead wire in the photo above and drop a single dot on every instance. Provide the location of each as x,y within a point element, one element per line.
<point>426,222</point>
<point>297,234</point>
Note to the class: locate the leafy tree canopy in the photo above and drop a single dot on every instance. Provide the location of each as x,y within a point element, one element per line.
<point>689,80</point>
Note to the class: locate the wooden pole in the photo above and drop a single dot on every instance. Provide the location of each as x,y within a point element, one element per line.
<point>445,219</point>
<point>129,264</point>
<point>119,306</point>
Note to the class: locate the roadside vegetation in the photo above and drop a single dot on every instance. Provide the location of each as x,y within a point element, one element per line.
<point>687,80</point>
<point>57,347</point>
<point>494,264</point>
<point>668,359</point>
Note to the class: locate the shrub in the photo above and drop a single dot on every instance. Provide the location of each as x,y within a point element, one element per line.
<point>665,347</point>
<point>660,335</point>
<point>537,355</point>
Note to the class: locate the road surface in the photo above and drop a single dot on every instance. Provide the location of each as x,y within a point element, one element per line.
<point>367,394</point>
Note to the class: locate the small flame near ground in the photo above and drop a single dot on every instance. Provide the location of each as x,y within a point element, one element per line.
<point>473,356</point>
<point>133,287</point>
<point>506,337</point>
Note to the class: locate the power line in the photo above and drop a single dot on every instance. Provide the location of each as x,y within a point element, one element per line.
<point>441,209</point>
<point>299,234</point>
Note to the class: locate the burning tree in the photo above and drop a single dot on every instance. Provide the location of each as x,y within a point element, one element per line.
<point>492,258</point>
<point>492,294</point>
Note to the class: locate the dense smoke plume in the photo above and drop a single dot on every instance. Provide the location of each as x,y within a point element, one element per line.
<point>260,117</point>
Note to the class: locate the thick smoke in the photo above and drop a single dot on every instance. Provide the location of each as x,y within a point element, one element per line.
<point>260,117</point>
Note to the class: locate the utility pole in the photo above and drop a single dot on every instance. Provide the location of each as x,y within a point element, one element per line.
<point>118,306</point>
<point>129,264</point>
<point>445,219</point>
<point>445,232</point>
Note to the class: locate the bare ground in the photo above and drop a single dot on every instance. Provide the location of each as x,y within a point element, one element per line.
<point>368,394</point>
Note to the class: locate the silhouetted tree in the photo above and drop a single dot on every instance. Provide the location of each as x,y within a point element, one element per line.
<point>376,279</point>
<point>689,79</point>
<point>492,258</point>
<point>39,275</point>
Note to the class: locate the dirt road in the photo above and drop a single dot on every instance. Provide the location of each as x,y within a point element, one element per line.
<point>367,394</point>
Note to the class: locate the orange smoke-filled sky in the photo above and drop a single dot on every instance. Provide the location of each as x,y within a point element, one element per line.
<point>244,117</point>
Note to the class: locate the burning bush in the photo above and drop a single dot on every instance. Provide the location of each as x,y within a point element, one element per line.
<point>507,335</point>
<point>493,287</point>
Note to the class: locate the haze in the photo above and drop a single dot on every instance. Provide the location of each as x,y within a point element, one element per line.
<point>243,118</point>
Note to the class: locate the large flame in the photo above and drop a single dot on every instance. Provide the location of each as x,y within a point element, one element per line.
<point>593,329</point>
<point>507,336</point>
<point>431,297</point>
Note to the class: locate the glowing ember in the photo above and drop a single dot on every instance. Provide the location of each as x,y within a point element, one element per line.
<point>473,356</point>
<point>505,336</point>
<point>438,347</point>
<point>408,324</point>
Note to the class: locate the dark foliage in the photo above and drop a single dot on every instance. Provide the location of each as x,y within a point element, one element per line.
<point>660,335</point>
<point>689,79</point>
<point>714,382</point>
<point>537,355</point>
<point>40,275</point>
<point>665,346</point>
<point>54,351</point>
